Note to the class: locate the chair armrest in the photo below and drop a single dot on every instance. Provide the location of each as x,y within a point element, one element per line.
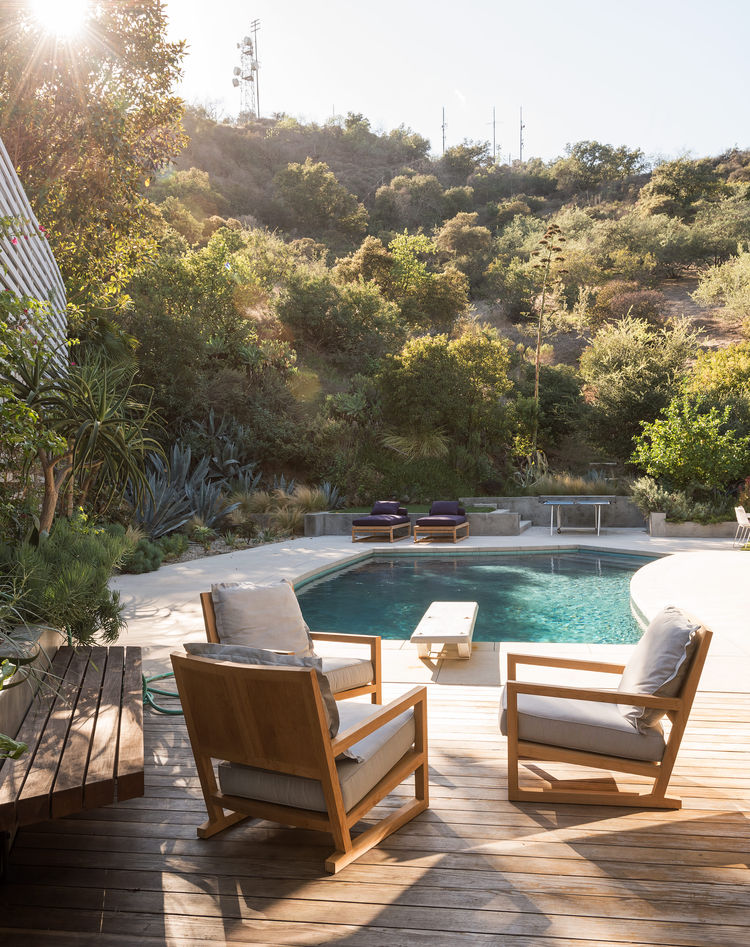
<point>596,694</point>
<point>335,636</point>
<point>575,664</point>
<point>372,640</point>
<point>347,738</point>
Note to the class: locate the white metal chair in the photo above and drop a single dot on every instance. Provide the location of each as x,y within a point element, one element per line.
<point>742,533</point>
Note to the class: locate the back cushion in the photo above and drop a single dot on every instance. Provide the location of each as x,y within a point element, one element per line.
<point>444,508</point>
<point>260,617</point>
<point>385,508</point>
<point>659,663</point>
<point>238,654</point>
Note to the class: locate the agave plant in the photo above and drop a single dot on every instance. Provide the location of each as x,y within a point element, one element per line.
<point>209,503</point>
<point>333,498</point>
<point>282,486</point>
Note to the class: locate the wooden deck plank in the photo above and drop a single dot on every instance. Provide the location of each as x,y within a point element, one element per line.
<point>34,801</point>
<point>473,870</point>
<point>130,752</point>
<point>71,773</point>
<point>100,785</point>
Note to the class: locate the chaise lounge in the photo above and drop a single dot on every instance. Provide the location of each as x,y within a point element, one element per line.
<point>387,518</point>
<point>445,520</point>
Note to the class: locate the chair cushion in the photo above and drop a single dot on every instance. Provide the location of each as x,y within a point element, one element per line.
<point>257,616</point>
<point>382,519</point>
<point>239,654</point>
<point>385,506</point>
<point>582,725</point>
<point>444,508</point>
<point>377,754</point>
<point>659,663</point>
<point>443,520</point>
<point>345,673</point>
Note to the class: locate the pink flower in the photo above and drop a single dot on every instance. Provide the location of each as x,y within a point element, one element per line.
<point>14,241</point>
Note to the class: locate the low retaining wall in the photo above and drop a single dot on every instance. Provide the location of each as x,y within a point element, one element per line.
<point>658,526</point>
<point>621,512</point>
<point>493,523</point>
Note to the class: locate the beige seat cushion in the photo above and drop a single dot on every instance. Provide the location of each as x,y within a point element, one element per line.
<point>582,725</point>
<point>258,616</point>
<point>345,673</point>
<point>659,663</point>
<point>378,753</point>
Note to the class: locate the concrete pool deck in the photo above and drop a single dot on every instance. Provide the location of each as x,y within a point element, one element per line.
<point>706,577</point>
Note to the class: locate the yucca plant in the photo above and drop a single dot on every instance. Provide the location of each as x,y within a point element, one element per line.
<point>418,445</point>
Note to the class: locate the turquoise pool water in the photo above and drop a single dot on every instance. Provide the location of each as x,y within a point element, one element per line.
<point>565,596</point>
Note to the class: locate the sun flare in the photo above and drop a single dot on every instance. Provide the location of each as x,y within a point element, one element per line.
<point>63,18</point>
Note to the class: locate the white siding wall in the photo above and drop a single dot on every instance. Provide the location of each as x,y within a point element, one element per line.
<point>28,267</point>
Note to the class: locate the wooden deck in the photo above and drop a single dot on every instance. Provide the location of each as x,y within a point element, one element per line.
<point>473,870</point>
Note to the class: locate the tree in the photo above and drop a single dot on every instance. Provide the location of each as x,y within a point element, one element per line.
<point>316,204</point>
<point>632,370</point>
<point>460,161</point>
<point>688,446</point>
<point>455,386</point>
<point>590,164</point>
<point>722,378</point>
<point>409,201</point>
<point>92,423</point>
<point>678,187</point>
<point>87,124</point>
<point>467,246</point>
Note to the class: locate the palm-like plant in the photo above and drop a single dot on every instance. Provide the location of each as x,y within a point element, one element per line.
<point>93,424</point>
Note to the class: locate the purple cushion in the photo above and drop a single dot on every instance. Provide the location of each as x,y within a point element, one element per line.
<point>386,519</point>
<point>444,508</point>
<point>385,506</point>
<point>440,520</point>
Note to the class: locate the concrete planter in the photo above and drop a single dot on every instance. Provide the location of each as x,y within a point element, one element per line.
<point>15,702</point>
<point>658,526</point>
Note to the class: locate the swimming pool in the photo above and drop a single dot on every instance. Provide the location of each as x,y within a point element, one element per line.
<point>553,596</point>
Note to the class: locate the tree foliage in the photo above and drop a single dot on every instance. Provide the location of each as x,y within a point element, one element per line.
<point>87,124</point>
<point>688,446</point>
<point>632,371</point>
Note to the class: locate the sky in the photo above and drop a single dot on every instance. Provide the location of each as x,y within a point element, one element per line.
<point>669,77</point>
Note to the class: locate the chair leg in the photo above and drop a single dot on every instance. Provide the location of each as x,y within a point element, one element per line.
<point>374,835</point>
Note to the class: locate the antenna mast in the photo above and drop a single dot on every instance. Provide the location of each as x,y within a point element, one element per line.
<point>520,137</point>
<point>246,74</point>
<point>443,127</point>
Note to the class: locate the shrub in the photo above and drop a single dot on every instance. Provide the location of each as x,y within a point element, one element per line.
<point>67,575</point>
<point>173,546</point>
<point>145,557</point>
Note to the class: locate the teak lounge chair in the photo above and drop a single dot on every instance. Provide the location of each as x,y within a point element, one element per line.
<point>615,730</point>
<point>386,519</point>
<point>270,730</point>
<point>270,617</point>
<point>445,520</point>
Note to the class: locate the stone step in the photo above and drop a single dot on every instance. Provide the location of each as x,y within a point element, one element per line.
<point>524,525</point>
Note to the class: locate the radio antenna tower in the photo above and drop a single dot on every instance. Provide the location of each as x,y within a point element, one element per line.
<point>443,126</point>
<point>520,137</point>
<point>246,74</point>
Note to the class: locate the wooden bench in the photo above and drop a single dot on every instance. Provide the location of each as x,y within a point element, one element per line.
<point>85,741</point>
